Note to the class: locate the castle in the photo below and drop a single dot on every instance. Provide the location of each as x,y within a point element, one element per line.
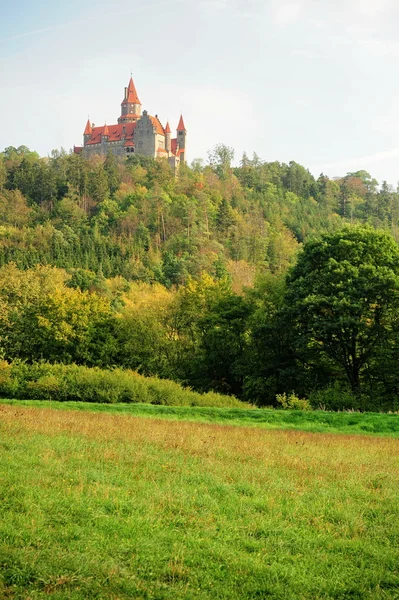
<point>135,132</point>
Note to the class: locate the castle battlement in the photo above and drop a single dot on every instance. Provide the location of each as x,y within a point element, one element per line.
<point>136,132</point>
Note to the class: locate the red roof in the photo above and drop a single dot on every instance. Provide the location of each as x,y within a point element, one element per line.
<point>88,128</point>
<point>181,126</point>
<point>115,132</point>
<point>175,151</point>
<point>105,130</point>
<point>167,128</point>
<point>132,97</point>
<point>173,145</point>
<point>157,124</point>
<point>77,149</point>
<point>128,143</point>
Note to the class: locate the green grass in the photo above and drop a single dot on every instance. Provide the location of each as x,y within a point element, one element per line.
<point>104,506</point>
<point>381,424</point>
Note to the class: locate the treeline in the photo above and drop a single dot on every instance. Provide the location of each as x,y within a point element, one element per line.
<point>134,219</point>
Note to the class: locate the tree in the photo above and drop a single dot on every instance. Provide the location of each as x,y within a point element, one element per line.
<point>224,217</point>
<point>211,327</point>
<point>343,299</point>
<point>98,184</point>
<point>3,173</point>
<point>112,172</point>
<point>42,318</point>
<point>269,360</point>
<point>220,158</point>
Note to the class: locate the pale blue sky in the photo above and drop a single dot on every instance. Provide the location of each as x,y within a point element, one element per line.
<point>309,80</point>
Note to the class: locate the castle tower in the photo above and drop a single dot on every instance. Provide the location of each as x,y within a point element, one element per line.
<point>168,141</point>
<point>131,105</point>
<point>87,132</point>
<point>181,138</point>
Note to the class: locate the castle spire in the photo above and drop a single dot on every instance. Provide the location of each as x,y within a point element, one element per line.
<point>167,128</point>
<point>105,131</point>
<point>88,129</point>
<point>131,96</point>
<point>181,126</point>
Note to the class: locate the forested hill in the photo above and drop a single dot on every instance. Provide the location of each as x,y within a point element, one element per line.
<point>134,219</point>
<point>121,264</point>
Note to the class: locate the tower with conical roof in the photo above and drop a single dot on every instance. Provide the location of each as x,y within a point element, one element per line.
<point>168,139</point>
<point>181,137</point>
<point>87,132</point>
<point>105,134</point>
<point>131,105</point>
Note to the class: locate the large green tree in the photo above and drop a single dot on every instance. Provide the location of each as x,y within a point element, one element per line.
<point>343,299</point>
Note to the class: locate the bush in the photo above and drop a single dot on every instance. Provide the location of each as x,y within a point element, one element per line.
<point>335,397</point>
<point>292,402</point>
<point>61,382</point>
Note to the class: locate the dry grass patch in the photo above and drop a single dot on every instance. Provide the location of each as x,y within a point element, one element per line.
<point>109,506</point>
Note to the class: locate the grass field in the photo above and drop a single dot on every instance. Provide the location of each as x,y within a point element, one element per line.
<point>105,506</point>
<point>315,421</point>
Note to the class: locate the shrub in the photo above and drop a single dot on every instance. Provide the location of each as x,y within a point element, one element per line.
<point>61,382</point>
<point>335,397</point>
<point>292,402</point>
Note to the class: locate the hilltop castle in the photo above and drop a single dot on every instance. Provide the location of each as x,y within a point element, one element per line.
<point>135,132</point>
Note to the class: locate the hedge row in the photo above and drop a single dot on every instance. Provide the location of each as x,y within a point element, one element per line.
<point>45,381</point>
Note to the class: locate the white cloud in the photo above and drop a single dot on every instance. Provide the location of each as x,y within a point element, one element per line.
<point>286,14</point>
<point>212,5</point>
<point>372,8</point>
<point>380,47</point>
<point>312,55</point>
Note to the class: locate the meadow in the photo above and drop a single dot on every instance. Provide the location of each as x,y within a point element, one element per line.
<point>240,413</point>
<point>102,505</point>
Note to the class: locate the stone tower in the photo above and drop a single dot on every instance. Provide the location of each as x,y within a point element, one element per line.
<point>168,140</point>
<point>181,137</point>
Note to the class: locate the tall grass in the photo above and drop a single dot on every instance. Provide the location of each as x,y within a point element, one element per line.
<point>317,421</point>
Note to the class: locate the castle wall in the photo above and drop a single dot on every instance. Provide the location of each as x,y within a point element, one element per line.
<point>174,163</point>
<point>116,148</point>
<point>160,141</point>
<point>144,136</point>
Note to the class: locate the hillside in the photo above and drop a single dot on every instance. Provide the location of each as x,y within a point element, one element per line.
<point>134,219</point>
<point>242,281</point>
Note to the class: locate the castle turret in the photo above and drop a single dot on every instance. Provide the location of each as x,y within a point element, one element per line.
<point>181,138</point>
<point>168,141</point>
<point>131,105</point>
<point>87,132</point>
<point>105,134</point>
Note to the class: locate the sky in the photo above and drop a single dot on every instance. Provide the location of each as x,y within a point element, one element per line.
<point>315,81</point>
